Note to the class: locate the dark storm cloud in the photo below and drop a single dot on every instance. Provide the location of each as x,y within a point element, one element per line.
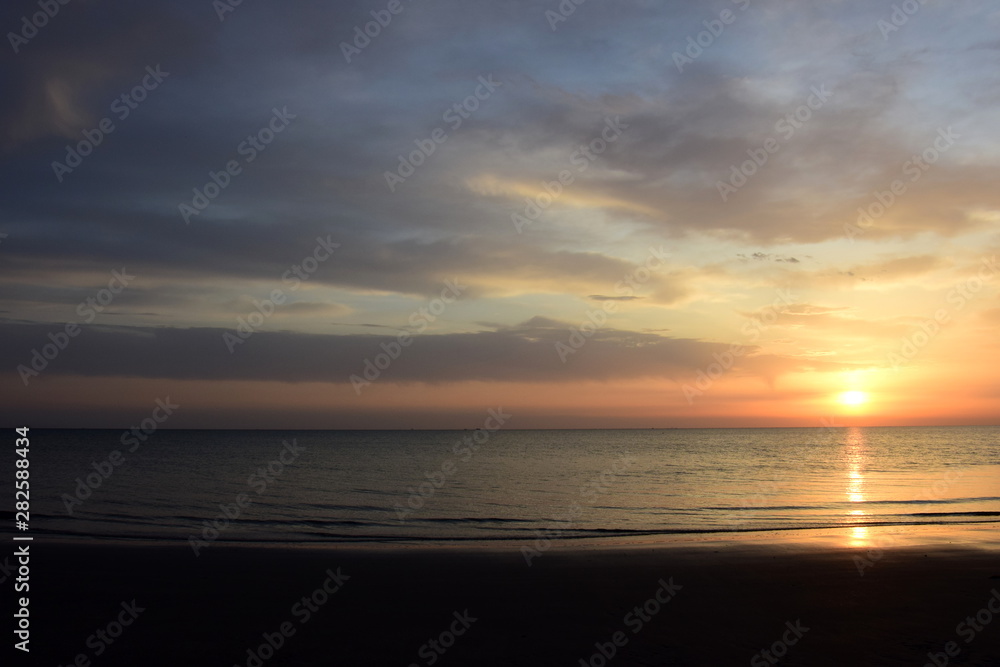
<point>525,353</point>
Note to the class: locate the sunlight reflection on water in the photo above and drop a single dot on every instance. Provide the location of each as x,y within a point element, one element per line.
<point>856,456</point>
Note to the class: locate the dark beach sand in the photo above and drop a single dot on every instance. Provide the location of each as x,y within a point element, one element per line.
<point>735,600</point>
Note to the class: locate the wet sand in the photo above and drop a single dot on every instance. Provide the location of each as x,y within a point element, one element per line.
<point>715,604</point>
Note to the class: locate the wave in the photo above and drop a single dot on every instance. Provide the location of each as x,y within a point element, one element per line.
<point>954,514</point>
<point>851,503</point>
<point>312,536</point>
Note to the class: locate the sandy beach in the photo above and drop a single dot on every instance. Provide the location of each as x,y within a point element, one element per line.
<point>756,603</point>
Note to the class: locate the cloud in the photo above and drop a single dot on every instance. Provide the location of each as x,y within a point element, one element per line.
<point>324,177</point>
<point>64,80</point>
<point>810,309</point>
<point>764,256</point>
<point>525,353</point>
<point>840,320</point>
<point>877,273</point>
<point>602,297</point>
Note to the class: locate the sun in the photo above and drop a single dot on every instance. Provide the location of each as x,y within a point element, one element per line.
<point>854,398</point>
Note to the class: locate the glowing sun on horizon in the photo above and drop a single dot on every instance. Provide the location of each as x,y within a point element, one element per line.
<point>854,398</point>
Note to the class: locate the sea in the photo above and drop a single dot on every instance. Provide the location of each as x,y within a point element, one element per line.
<point>212,487</point>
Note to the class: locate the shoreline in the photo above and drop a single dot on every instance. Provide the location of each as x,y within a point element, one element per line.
<point>975,534</point>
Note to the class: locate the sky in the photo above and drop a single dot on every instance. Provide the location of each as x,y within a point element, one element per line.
<point>635,214</point>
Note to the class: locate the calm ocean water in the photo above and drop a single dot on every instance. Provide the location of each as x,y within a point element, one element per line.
<point>397,486</point>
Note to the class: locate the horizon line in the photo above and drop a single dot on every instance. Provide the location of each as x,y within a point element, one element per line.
<point>627,428</point>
